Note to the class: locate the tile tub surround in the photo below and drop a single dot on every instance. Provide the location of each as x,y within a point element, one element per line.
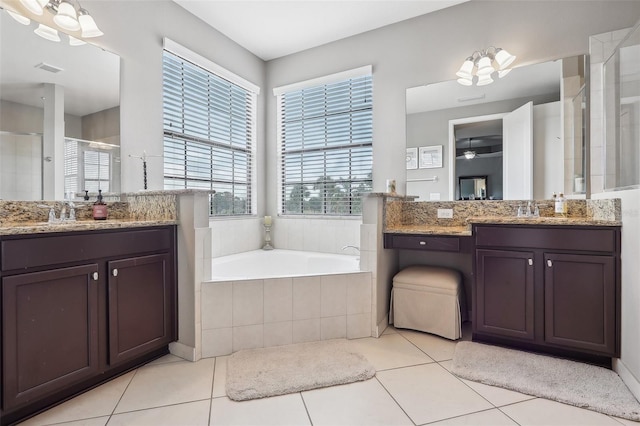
<point>249,314</point>
<point>405,215</point>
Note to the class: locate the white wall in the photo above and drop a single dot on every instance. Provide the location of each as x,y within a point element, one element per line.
<point>20,167</point>
<point>548,152</point>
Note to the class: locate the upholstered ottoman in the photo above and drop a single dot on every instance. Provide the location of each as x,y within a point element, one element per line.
<point>430,299</point>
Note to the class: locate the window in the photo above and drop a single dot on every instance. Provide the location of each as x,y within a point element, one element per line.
<point>325,143</point>
<point>87,166</point>
<point>97,165</point>
<point>209,131</point>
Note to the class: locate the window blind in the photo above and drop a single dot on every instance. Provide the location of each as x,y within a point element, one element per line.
<point>97,167</point>
<point>326,147</point>
<point>208,135</point>
<point>71,166</point>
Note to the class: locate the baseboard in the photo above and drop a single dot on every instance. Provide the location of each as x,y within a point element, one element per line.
<point>183,351</point>
<point>381,326</point>
<point>627,377</point>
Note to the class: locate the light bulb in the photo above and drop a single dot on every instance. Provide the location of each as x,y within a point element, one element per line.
<point>466,69</point>
<point>34,6</point>
<point>484,66</point>
<point>483,80</point>
<point>66,17</point>
<point>88,25</point>
<point>504,58</point>
<point>19,18</point>
<point>76,42</point>
<point>47,33</point>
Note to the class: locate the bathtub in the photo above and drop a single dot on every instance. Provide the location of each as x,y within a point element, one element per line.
<point>262,264</point>
<point>279,297</point>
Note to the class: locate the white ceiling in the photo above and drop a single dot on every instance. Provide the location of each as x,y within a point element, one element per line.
<point>271,29</point>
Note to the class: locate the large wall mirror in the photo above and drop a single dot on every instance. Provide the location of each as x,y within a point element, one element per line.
<point>526,133</point>
<point>59,115</point>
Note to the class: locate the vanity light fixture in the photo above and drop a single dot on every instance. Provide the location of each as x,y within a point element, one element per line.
<point>65,16</point>
<point>19,18</point>
<point>76,41</point>
<point>47,33</point>
<point>483,64</point>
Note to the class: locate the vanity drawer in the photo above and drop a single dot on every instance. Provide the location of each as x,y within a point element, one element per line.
<point>62,248</point>
<point>550,237</point>
<point>422,242</point>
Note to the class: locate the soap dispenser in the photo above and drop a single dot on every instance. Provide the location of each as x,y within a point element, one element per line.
<point>100,208</point>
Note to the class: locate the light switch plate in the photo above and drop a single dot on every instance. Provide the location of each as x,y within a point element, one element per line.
<point>434,196</point>
<point>445,213</point>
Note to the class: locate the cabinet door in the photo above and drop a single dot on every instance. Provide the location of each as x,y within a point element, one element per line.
<point>504,303</point>
<point>140,306</point>
<point>49,332</point>
<point>580,301</point>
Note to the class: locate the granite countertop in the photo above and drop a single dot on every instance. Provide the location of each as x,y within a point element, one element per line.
<point>19,228</point>
<point>463,231</point>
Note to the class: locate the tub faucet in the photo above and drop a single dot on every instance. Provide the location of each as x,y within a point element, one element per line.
<point>353,247</point>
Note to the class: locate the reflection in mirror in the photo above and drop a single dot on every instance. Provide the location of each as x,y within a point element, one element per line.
<point>443,113</point>
<point>622,114</point>
<point>49,92</point>
<point>479,150</point>
<point>472,187</point>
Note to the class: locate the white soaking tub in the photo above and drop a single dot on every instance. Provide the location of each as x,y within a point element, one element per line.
<point>279,297</point>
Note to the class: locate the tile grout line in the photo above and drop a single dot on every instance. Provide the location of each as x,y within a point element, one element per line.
<point>304,403</point>
<point>460,416</point>
<point>213,382</point>
<point>394,400</point>
<point>135,372</point>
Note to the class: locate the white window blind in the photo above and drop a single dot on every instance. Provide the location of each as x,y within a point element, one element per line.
<point>97,167</point>
<point>209,133</point>
<point>325,137</point>
<point>71,166</point>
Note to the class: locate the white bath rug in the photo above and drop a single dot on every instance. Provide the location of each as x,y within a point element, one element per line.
<point>574,383</point>
<point>258,373</point>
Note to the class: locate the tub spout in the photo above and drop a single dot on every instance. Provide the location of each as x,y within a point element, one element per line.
<point>353,247</point>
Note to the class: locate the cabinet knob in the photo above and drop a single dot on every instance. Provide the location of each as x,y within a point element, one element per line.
<point>423,243</point>
<point>95,276</point>
<point>114,272</point>
<point>549,263</point>
<point>530,262</point>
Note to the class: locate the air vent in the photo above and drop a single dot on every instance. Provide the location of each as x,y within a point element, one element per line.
<point>49,67</point>
<point>471,98</point>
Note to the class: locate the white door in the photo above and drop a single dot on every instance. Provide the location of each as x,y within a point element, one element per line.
<point>517,153</point>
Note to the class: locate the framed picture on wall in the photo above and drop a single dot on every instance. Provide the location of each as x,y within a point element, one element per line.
<point>431,157</point>
<point>412,158</point>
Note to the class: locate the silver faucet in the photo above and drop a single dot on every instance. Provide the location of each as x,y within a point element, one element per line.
<point>353,247</point>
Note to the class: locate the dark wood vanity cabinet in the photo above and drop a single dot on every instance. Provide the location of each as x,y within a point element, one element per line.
<point>81,307</point>
<point>140,306</point>
<point>49,331</point>
<point>504,291</point>
<point>548,288</point>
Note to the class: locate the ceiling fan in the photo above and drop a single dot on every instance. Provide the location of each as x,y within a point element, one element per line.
<point>480,147</point>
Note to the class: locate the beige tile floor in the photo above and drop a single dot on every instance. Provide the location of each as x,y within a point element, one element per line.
<point>413,386</point>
